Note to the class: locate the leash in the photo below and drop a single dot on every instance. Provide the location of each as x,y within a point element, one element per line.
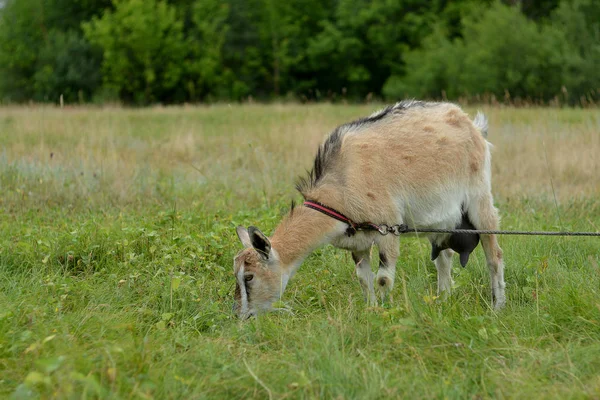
<point>399,229</point>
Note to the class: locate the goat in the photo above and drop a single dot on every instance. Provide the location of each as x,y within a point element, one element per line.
<point>424,164</point>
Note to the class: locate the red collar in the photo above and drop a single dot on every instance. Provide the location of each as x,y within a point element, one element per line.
<point>353,227</point>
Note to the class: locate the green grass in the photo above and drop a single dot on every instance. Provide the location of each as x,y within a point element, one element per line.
<point>116,265</point>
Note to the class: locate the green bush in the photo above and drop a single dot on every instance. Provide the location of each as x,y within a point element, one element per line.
<point>505,53</point>
<point>430,70</point>
<point>580,21</point>
<point>69,66</point>
<point>502,53</point>
<point>173,51</point>
<point>205,75</point>
<point>143,47</point>
<point>19,44</point>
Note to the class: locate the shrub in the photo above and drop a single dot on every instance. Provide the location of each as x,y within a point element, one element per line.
<point>580,21</point>
<point>143,48</point>
<point>67,65</point>
<point>501,53</point>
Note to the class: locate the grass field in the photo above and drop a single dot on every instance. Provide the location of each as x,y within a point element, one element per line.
<point>117,238</point>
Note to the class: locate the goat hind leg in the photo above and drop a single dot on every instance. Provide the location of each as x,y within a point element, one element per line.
<point>484,215</point>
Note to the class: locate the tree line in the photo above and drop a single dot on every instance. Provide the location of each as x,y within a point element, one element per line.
<point>159,51</point>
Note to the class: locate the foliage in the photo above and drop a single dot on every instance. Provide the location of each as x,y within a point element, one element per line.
<point>67,65</point>
<point>529,62</point>
<point>21,35</point>
<point>580,21</point>
<point>205,73</point>
<point>214,50</point>
<point>43,53</point>
<point>430,70</point>
<point>366,41</point>
<point>143,47</point>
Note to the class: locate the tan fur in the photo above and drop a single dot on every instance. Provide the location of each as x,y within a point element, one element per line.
<point>412,152</point>
<point>300,231</point>
<point>418,166</point>
<point>253,264</point>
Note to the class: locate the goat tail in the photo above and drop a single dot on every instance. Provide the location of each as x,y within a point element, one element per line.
<point>481,123</point>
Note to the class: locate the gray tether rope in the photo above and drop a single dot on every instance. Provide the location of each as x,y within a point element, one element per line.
<point>401,228</point>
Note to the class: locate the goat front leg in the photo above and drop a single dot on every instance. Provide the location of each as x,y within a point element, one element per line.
<point>362,260</point>
<point>388,254</point>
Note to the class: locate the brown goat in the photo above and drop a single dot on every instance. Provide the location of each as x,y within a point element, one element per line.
<point>423,164</point>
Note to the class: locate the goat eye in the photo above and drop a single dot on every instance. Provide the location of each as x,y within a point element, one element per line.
<point>248,278</point>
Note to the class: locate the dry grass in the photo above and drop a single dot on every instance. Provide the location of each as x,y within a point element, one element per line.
<point>257,151</point>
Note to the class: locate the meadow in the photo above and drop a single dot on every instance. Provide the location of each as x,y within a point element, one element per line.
<point>117,234</point>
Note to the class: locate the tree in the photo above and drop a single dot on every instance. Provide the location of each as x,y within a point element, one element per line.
<point>366,41</point>
<point>580,21</point>
<point>67,15</point>
<point>42,51</point>
<point>22,29</point>
<point>143,48</point>
<point>169,51</point>
<point>430,70</point>
<point>500,53</point>
<point>67,65</point>
<point>267,45</point>
<point>206,76</point>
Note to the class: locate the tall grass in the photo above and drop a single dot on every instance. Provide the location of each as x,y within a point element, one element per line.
<point>116,241</point>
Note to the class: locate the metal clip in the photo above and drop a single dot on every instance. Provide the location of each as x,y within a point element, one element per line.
<point>399,229</point>
<point>383,229</point>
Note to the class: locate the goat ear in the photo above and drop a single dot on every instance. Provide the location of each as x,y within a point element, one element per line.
<point>244,236</point>
<point>259,241</point>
